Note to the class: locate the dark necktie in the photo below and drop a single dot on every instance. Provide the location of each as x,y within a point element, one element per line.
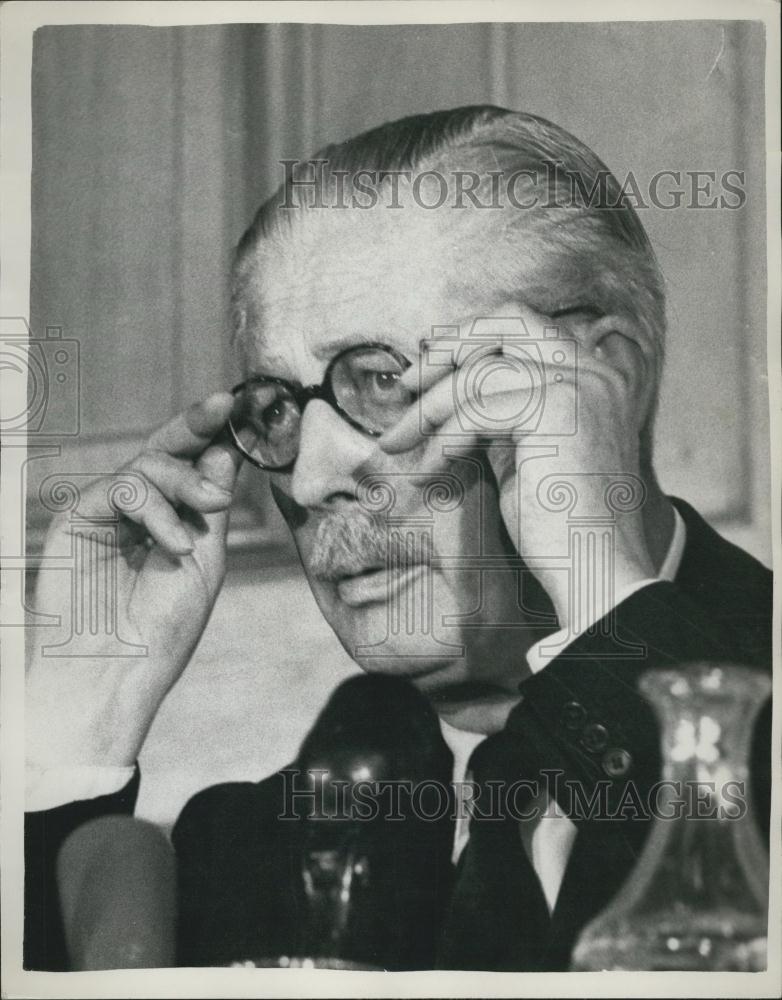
<point>498,918</point>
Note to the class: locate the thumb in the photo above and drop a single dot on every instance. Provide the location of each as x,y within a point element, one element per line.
<point>220,463</point>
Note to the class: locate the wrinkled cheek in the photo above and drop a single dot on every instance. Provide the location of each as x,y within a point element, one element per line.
<point>303,528</point>
<point>457,599</point>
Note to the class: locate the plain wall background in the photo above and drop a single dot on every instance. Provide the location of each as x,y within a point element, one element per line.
<point>152,148</point>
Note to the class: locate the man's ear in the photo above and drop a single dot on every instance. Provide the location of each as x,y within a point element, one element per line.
<point>626,346</point>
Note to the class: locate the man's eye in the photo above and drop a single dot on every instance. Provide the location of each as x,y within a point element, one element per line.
<point>281,417</point>
<point>367,385</point>
<point>381,386</point>
<point>274,414</point>
<point>383,381</point>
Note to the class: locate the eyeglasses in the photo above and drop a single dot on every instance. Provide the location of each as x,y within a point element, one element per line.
<point>361,384</point>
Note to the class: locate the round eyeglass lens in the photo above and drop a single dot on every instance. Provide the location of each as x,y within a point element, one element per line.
<point>265,421</point>
<point>365,383</point>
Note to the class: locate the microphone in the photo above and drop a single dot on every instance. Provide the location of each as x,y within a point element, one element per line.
<point>117,883</point>
<point>375,852</point>
<point>384,719</point>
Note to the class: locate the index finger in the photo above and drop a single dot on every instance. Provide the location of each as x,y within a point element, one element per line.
<point>442,355</point>
<point>189,433</point>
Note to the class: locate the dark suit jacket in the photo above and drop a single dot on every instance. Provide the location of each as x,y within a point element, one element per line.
<point>237,869</point>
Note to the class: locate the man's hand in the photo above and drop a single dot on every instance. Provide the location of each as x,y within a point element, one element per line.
<point>603,439</point>
<point>169,561</point>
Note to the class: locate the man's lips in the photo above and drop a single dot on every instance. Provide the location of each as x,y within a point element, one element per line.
<point>377,584</point>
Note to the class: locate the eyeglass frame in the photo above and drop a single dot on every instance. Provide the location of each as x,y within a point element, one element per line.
<point>303,394</point>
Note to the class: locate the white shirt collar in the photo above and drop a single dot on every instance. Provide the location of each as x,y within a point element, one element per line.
<point>673,558</point>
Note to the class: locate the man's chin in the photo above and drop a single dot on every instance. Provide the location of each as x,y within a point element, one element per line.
<point>428,675</point>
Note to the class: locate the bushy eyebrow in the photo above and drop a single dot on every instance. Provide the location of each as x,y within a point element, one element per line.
<point>583,310</point>
<point>333,346</point>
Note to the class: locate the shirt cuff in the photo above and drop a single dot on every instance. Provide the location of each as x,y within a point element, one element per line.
<point>545,650</point>
<point>56,786</point>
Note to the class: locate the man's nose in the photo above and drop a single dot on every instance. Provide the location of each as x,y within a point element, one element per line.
<point>331,453</point>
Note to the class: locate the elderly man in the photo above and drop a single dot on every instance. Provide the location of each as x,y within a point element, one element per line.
<point>459,299</point>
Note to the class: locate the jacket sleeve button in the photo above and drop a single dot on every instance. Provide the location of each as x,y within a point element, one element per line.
<point>573,715</point>
<point>594,738</point>
<point>616,762</point>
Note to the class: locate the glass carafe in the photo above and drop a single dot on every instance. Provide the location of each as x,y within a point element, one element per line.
<point>698,897</point>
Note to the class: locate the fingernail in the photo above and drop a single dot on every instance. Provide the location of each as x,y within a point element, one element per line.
<point>182,546</point>
<point>211,402</point>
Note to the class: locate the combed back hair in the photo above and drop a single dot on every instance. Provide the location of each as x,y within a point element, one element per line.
<point>577,241</point>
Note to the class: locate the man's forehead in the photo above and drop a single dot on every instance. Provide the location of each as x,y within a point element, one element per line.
<point>336,253</point>
<point>343,276</point>
<point>335,277</point>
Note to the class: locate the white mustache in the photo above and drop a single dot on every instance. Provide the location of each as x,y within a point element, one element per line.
<point>346,545</point>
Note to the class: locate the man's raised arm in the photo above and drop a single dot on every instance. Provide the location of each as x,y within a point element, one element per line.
<point>87,717</point>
